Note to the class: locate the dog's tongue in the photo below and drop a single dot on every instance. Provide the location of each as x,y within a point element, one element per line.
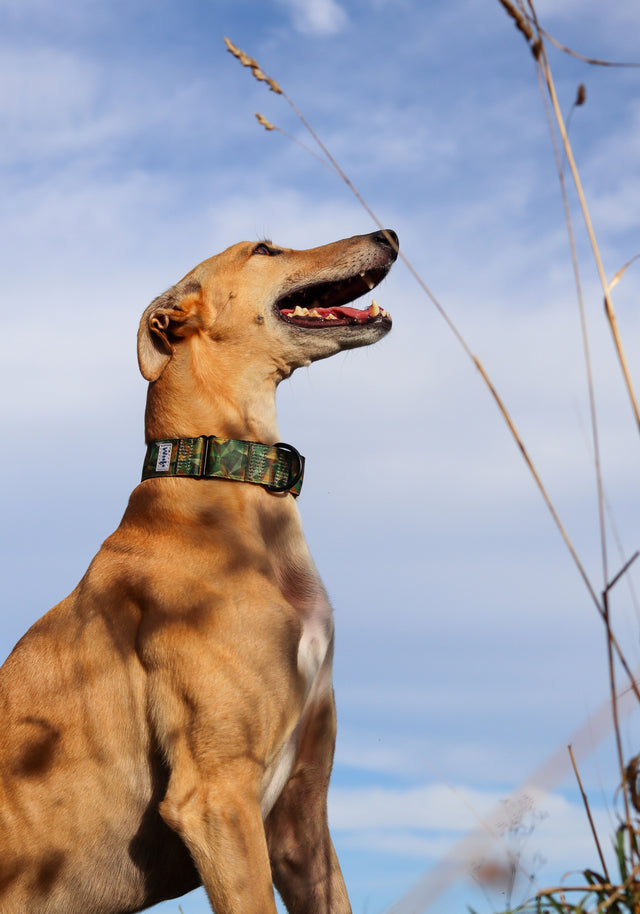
<point>348,313</point>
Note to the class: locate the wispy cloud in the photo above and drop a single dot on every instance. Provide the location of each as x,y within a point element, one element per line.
<point>463,828</point>
<point>317,17</point>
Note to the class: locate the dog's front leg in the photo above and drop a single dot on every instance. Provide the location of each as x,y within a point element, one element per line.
<point>304,863</point>
<point>221,824</point>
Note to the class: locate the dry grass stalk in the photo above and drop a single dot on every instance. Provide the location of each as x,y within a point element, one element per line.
<point>596,887</point>
<point>624,769</point>
<point>526,25</point>
<point>615,892</point>
<point>543,63</point>
<point>560,159</point>
<point>545,74</point>
<point>589,816</point>
<point>619,891</point>
<point>593,61</point>
<point>623,269</point>
<point>613,324</point>
<point>538,480</point>
<point>523,25</point>
<point>269,126</point>
<point>633,782</point>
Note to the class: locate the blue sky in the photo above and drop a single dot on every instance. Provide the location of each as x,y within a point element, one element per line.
<point>468,650</point>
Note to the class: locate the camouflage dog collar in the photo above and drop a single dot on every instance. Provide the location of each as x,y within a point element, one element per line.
<point>279,467</point>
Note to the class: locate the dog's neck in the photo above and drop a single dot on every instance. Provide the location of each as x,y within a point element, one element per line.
<point>230,404</point>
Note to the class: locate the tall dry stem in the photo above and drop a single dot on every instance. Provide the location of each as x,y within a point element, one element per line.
<point>544,71</point>
<point>540,55</point>
<point>589,816</point>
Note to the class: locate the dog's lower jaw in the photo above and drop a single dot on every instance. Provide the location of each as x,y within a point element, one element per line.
<point>305,345</point>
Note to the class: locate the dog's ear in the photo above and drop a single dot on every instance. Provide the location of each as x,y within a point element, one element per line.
<point>170,317</point>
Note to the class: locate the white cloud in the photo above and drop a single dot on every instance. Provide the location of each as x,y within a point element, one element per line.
<point>47,99</point>
<point>317,17</point>
<point>431,807</point>
<point>37,82</point>
<point>456,829</point>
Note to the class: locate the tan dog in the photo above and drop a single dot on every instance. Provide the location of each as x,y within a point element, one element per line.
<point>172,721</point>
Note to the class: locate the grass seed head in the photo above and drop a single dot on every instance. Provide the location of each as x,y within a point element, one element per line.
<point>265,123</point>
<point>247,61</point>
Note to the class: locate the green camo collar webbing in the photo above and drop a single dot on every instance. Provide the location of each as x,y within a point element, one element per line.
<point>277,467</point>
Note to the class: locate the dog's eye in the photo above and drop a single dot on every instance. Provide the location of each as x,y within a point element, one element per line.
<point>263,248</point>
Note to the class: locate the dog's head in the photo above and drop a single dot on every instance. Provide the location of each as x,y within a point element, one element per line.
<point>291,306</point>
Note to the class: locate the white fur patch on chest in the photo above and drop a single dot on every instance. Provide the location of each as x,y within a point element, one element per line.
<point>314,665</point>
<point>315,641</point>
<point>279,775</point>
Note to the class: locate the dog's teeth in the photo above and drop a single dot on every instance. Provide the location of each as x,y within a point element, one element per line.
<point>375,308</point>
<point>300,312</point>
<point>331,316</point>
<point>371,285</point>
<point>314,313</point>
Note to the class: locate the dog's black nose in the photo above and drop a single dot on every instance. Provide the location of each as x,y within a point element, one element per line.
<point>387,238</point>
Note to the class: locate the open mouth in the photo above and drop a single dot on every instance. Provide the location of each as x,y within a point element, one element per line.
<point>326,304</point>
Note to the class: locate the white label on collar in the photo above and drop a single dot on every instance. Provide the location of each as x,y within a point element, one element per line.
<point>163,463</point>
